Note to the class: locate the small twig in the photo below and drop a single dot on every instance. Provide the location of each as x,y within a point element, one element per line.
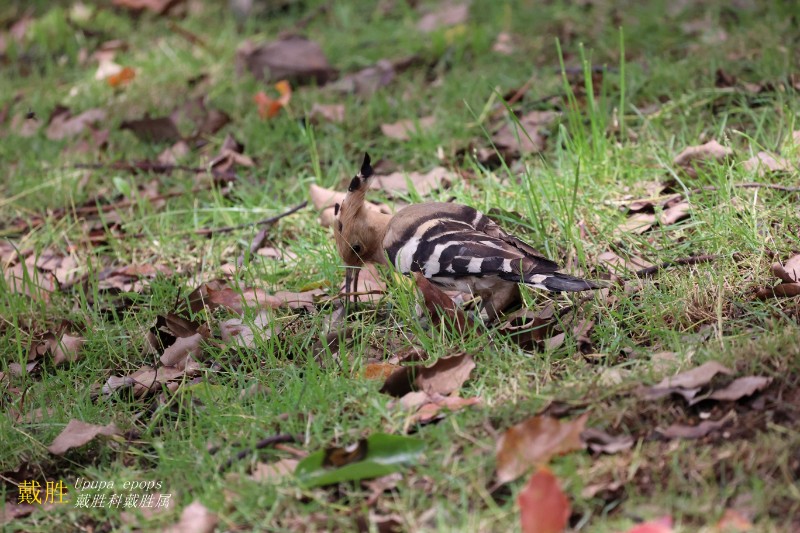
<point>189,36</point>
<point>268,221</point>
<point>261,236</point>
<point>269,441</point>
<point>693,260</point>
<point>149,166</point>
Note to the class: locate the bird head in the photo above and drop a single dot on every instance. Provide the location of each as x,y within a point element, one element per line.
<point>359,227</point>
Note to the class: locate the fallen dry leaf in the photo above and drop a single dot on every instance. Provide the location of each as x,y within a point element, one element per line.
<point>732,521</point>
<point>660,525</point>
<point>63,123</point>
<point>369,80</point>
<point>182,349</point>
<point>274,472</point>
<point>422,183</point>
<point>403,130</point>
<point>330,112</point>
<point>123,77</point>
<point>269,107</point>
<point>236,332</point>
<point>789,271</point>
<point>440,305</point>
<point>159,7</point>
<point>506,138</point>
<point>601,442</point>
<point>693,156</point>
<point>324,200</point>
<point>195,518</point>
<point>683,431</point>
<point>67,348</point>
<point>293,58</point>
<point>155,130</point>
<point>427,407</point>
<point>445,14</point>
<point>621,266</point>
<point>686,383</point>
<point>764,162</point>
<point>543,506</point>
<point>504,44</point>
<point>741,387</point>
<point>533,442</point>
<point>446,375</point>
<point>78,433</point>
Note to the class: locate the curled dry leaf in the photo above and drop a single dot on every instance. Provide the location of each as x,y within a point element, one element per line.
<point>330,112</point>
<point>63,123</point>
<point>422,183</point>
<point>446,375</point>
<point>512,139</point>
<point>67,348</point>
<point>183,348</point>
<point>764,162</point>
<point>543,506</point>
<point>77,434</point>
<point>269,107</point>
<point>683,431</point>
<point>293,58</point>
<point>789,271</point>
<point>427,407</point>
<point>403,130</point>
<point>686,383</point>
<point>599,441</point>
<point>440,305</point>
<point>195,518</point>
<point>534,441</point>
<point>740,388</point>
<point>274,472</point>
<point>446,14</point>
<point>693,156</point>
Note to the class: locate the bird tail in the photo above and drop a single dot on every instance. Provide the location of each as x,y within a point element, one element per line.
<point>557,282</point>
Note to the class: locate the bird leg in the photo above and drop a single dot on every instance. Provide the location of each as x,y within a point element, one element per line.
<point>350,286</point>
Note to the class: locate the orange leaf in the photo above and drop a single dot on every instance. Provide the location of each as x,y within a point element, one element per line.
<point>269,107</point>
<point>122,77</point>
<point>543,507</point>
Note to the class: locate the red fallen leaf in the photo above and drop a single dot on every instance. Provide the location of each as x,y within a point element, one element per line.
<point>660,525</point>
<point>268,107</point>
<point>534,441</point>
<point>78,433</point>
<point>543,506</point>
<point>122,77</point>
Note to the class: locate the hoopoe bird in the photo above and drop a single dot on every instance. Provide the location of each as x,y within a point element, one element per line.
<point>452,245</point>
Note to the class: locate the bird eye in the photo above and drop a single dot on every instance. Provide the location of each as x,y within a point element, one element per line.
<point>356,249</point>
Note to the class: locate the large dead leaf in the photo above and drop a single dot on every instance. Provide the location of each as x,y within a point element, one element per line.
<point>688,383</point>
<point>155,130</point>
<point>78,433</point>
<point>693,157</point>
<point>543,506</point>
<point>683,431</point>
<point>330,112</point>
<point>195,518</point>
<point>789,271</point>
<point>741,387</point>
<point>63,124</point>
<point>369,80</point>
<point>445,14</point>
<point>512,140</point>
<point>158,7</point>
<point>293,58</point>
<point>446,375</point>
<point>764,162</point>
<point>440,305</point>
<point>237,332</point>
<point>533,442</point>
<point>403,130</point>
<point>274,472</point>
<point>428,407</point>
<point>422,183</point>
<point>183,348</point>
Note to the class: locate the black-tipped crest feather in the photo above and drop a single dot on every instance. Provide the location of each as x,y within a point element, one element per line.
<point>366,169</point>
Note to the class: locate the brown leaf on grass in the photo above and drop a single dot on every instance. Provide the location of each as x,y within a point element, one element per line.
<point>330,112</point>
<point>123,77</point>
<point>63,123</point>
<point>427,407</point>
<point>440,305</point>
<point>512,140</point>
<point>176,152</point>
<point>422,183</point>
<point>733,520</point>
<point>528,327</point>
<point>621,266</point>
<point>269,107</point>
<point>63,267</point>
<point>638,223</point>
<point>380,371</point>
<point>274,472</point>
<point>687,384</point>
<point>599,441</point>
<point>370,286</point>
<point>181,349</point>
<point>159,7</point>
<point>789,271</point>
<point>693,156</point>
<point>324,200</point>
<point>238,300</point>
<point>446,14</point>
<point>659,525</point>
<point>543,506</point>
<point>369,80</point>
<point>764,162</point>
<point>293,58</point>
<point>741,387</point>
<point>533,442</point>
<point>67,348</point>
<point>234,331</point>
<point>683,431</point>
<point>195,518</point>
<point>147,379</point>
<point>446,375</point>
<point>155,130</point>
<point>403,130</point>
<point>305,300</point>
<point>785,290</point>
<point>78,433</point>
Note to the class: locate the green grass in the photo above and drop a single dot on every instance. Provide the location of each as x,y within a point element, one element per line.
<point>564,201</point>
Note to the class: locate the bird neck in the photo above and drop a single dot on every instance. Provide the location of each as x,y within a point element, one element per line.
<point>378,223</point>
